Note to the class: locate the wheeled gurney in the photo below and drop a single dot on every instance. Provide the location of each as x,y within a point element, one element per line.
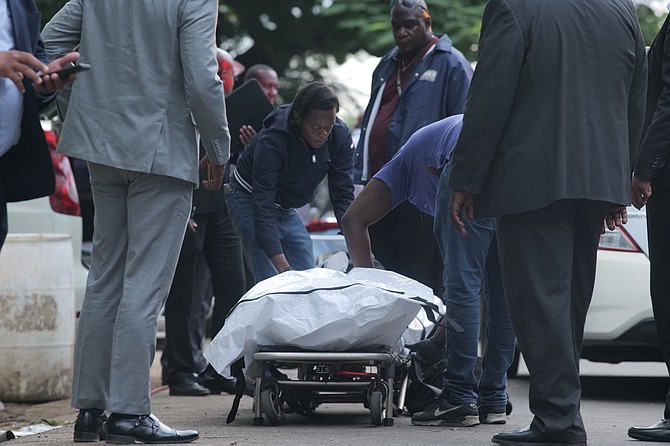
<point>326,377</point>
<point>341,335</point>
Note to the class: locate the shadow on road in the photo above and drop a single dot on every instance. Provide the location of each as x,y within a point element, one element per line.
<point>625,388</point>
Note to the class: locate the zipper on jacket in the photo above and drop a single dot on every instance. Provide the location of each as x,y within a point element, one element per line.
<point>313,159</point>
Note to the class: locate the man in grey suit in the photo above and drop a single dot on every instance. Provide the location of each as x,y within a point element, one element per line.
<point>133,117</point>
<point>551,126</point>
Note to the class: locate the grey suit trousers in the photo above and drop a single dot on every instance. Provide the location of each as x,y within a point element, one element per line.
<point>548,260</point>
<point>140,220</point>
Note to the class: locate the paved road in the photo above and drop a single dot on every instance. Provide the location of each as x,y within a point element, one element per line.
<point>615,398</point>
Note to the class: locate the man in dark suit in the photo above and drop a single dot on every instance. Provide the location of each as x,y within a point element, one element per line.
<point>552,123</point>
<point>25,165</point>
<point>652,173</point>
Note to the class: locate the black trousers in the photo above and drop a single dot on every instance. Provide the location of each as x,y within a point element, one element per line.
<point>215,239</point>
<point>403,242</point>
<point>4,226</point>
<point>658,216</point>
<point>3,223</point>
<point>548,262</point>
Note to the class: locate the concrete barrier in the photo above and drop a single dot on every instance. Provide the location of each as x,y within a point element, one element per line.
<point>37,317</point>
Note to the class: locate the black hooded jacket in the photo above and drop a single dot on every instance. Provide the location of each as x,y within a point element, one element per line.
<point>280,170</point>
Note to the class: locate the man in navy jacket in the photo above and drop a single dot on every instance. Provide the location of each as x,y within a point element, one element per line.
<point>421,80</point>
<point>279,171</point>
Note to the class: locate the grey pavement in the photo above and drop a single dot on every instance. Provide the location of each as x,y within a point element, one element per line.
<point>611,404</point>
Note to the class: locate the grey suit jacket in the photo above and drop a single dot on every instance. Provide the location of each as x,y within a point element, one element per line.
<point>555,107</point>
<point>153,76</point>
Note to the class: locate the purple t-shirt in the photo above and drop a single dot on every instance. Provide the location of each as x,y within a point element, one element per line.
<point>406,175</point>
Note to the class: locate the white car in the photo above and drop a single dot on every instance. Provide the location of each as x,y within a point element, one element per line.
<point>620,322</point>
<point>58,213</point>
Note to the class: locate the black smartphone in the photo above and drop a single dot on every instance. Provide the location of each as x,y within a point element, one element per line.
<point>65,72</point>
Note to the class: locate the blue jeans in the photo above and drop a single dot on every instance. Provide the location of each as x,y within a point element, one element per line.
<point>295,240</point>
<point>471,269</point>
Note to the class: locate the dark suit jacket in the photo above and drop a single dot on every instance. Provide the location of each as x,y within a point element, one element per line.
<point>556,105</point>
<point>26,171</point>
<point>651,160</point>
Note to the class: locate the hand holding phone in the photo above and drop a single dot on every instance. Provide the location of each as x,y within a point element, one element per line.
<point>67,71</point>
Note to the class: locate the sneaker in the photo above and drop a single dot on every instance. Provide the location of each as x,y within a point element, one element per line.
<point>492,414</point>
<point>443,413</point>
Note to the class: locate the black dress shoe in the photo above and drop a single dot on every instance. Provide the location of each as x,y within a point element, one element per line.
<point>90,425</point>
<point>526,436</point>
<point>187,385</point>
<point>145,429</point>
<point>657,432</point>
<point>221,384</point>
<point>216,383</point>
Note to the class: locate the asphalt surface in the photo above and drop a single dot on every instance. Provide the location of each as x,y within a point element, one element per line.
<point>610,405</point>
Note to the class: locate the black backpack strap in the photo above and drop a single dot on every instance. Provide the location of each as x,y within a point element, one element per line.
<point>418,374</point>
<point>431,310</point>
<point>237,369</point>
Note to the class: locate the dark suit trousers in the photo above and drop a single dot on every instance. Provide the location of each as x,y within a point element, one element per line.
<point>403,242</point>
<point>216,240</point>
<point>548,259</point>
<point>658,215</point>
<point>3,217</point>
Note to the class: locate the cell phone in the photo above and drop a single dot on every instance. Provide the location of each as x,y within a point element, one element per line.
<point>65,72</point>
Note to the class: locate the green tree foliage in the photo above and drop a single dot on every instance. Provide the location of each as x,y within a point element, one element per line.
<point>48,8</point>
<point>274,32</point>
<point>650,22</point>
<point>296,36</point>
<point>283,29</point>
<point>299,37</point>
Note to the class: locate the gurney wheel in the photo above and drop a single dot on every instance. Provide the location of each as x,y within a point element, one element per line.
<point>271,404</point>
<point>377,407</point>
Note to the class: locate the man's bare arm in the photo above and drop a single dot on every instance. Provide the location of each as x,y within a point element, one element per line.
<point>373,203</point>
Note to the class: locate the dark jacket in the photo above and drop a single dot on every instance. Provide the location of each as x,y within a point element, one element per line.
<point>555,108</point>
<point>26,171</point>
<point>651,161</point>
<point>437,88</point>
<point>280,169</point>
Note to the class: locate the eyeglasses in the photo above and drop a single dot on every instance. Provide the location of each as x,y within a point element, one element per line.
<point>407,3</point>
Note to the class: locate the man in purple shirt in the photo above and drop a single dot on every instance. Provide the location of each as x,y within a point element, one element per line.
<point>419,173</point>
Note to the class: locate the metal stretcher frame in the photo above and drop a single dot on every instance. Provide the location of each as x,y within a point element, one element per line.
<point>380,391</point>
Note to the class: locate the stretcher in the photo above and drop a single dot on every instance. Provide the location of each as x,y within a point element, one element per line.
<point>325,377</point>
<point>341,337</point>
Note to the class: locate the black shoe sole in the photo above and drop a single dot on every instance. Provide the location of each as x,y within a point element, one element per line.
<point>643,437</point>
<point>87,437</point>
<point>527,443</point>
<point>465,421</point>
<point>177,393</point>
<point>129,439</point>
